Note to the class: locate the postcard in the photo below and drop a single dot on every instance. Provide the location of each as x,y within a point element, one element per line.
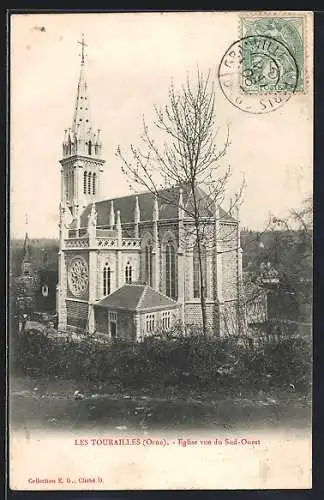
<point>161,168</point>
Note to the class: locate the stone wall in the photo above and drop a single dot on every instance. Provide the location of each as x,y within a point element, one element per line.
<point>193,314</point>
<point>229,247</point>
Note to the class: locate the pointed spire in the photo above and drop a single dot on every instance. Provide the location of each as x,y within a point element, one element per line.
<point>26,260</point>
<point>92,219</point>
<point>81,119</point>
<point>27,249</point>
<point>26,267</point>
<point>119,228</point>
<point>180,212</point>
<point>118,222</point>
<point>98,139</point>
<point>137,217</point>
<point>98,143</point>
<point>137,213</point>
<point>76,214</point>
<point>155,209</point>
<point>112,215</point>
<point>85,141</point>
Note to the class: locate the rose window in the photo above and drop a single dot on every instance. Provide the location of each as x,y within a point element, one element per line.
<point>78,277</point>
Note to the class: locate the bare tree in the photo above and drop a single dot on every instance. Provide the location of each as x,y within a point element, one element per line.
<point>184,152</point>
<point>281,260</point>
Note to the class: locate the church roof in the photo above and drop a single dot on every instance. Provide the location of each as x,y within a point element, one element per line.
<point>136,297</point>
<point>167,201</point>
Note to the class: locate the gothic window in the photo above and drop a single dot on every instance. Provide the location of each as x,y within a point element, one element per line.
<point>85,182</point>
<point>196,270</point>
<point>106,279</point>
<point>128,273</point>
<point>148,264</point>
<point>94,184</point>
<point>170,270</point>
<point>89,148</point>
<point>89,183</point>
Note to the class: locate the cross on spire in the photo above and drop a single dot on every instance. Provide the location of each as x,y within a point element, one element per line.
<point>83,44</point>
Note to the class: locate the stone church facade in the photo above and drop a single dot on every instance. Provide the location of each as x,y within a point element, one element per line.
<point>141,238</point>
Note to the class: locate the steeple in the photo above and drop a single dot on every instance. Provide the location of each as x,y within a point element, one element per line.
<point>119,228</point>
<point>82,164</point>
<point>27,252</point>
<point>112,215</point>
<point>81,138</point>
<point>26,260</point>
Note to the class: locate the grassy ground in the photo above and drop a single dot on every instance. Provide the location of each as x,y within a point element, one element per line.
<point>50,402</point>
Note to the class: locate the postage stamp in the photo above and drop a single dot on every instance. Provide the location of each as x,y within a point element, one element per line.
<point>290,32</point>
<point>258,74</point>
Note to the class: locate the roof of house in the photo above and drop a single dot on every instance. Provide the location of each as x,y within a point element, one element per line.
<point>168,206</point>
<point>136,297</point>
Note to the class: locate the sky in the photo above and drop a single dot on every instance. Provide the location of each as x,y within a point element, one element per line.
<point>131,59</point>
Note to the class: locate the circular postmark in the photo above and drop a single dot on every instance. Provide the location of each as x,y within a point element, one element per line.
<point>258,74</point>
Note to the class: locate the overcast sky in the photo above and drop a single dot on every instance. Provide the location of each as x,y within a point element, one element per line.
<point>131,60</point>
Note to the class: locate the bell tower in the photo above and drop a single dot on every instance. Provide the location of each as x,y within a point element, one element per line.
<point>81,165</point>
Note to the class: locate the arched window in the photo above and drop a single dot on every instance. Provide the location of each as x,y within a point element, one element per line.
<point>196,270</point>
<point>94,184</point>
<point>89,183</point>
<point>148,264</point>
<point>128,273</point>
<point>170,270</point>
<point>106,279</point>
<point>85,182</point>
<point>89,148</point>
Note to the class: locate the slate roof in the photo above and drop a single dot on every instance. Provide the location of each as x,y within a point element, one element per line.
<point>136,297</point>
<point>168,206</point>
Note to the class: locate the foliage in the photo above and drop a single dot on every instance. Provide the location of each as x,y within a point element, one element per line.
<point>229,364</point>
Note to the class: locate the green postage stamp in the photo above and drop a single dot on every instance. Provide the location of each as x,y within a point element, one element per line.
<point>284,59</point>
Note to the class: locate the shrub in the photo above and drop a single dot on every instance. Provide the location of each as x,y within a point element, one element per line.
<point>224,364</point>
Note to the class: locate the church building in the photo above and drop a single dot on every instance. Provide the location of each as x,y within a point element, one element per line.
<point>129,265</point>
